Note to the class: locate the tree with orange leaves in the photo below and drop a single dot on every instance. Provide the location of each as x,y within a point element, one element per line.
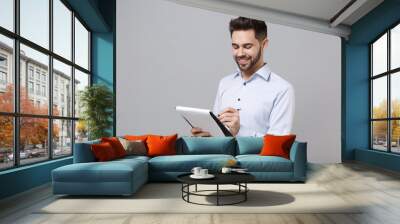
<point>33,130</point>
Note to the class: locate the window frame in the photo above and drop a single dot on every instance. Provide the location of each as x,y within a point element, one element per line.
<point>388,74</point>
<point>16,114</point>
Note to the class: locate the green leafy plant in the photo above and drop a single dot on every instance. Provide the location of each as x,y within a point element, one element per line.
<point>96,102</point>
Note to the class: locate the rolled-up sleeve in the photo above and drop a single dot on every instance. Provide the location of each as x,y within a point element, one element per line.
<point>282,114</point>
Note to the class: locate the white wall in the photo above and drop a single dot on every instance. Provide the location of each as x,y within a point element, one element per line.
<point>169,54</point>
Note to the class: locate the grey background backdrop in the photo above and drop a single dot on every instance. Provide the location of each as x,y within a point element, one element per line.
<point>169,54</point>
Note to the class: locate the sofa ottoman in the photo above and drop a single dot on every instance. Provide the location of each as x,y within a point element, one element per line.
<point>119,177</point>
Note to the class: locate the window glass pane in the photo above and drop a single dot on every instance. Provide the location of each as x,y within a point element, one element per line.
<point>62,137</point>
<point>81,131</point>
<point>395,136</point>
<point>81,45</point>
<point>379,135</point>
<point>33,139</point>
<point>81,81</point>
<point>7,14</point>
<point>34,21</point>
<point>6,74</point>
<point>379,55</point>
<point>6,142</point>
<point>395,47</point>
<point>379,97</point>
<point>395,94</point>
<point>34,81</point>
<point>62,89</point>
<point>62,29</point>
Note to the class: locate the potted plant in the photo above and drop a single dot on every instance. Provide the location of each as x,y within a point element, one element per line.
<point>96,102</point>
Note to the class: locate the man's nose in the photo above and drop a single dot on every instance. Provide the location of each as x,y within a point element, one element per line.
<point>240,52</point>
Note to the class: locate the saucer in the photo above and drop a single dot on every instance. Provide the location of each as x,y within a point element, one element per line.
<point>208,176</point>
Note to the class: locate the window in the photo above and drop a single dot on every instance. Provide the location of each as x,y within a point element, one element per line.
<point>81,45</point>
<point>30,72</point>
<point>7,14</point>
<point>3,72</point>
<point>44,131</point>
<point>385,91</point>
<point>62,75</point>
<point>43,90</point>
<point>30,87</point>
<point>35,21</point>
<point>62,137</point>
<point>6,71</point>
<point>38,89</point>
<point>38,74</point>
<point>81,81</point>
<point>6,142</point>
<point>3,61</point>
<point>62,29</point>
<point>3,78</point>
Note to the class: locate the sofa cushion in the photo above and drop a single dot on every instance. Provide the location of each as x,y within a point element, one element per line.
<point>257,163</point>
<point>103,152</point>
<point>277,145</point>
<point>159,145</point>
<point>206,145</point>
<point>136,137</point>
<point>249,145</point>
<point>134,147</point>
<point>116,145</point>
<point>111,171</point>
<point>185,163</point>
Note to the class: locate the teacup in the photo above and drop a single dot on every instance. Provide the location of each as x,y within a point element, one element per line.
<point>196,170</point>
<point>203,172</point>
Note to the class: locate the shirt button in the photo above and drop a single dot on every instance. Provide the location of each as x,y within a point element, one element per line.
<point>244,83</point>
<point>238,99</point>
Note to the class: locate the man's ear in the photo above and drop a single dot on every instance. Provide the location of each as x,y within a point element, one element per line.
<point>265,43</point>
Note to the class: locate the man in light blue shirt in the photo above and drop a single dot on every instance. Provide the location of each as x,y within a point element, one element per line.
<point>252,101</point>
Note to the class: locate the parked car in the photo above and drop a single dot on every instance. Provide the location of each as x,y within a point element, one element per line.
<point>22,155</point>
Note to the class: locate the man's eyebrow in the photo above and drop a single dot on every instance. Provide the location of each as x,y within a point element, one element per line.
<point>242,44</point>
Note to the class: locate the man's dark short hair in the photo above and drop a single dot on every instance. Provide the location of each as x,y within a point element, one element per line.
<point>243,23</point>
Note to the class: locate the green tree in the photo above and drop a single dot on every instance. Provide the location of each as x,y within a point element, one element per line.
<point>97,104</point>
<point>380,127</point>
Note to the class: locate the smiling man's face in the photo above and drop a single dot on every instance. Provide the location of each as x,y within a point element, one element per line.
<point>247,50</point>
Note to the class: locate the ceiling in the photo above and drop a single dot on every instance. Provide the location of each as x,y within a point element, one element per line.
<point>333,17</point>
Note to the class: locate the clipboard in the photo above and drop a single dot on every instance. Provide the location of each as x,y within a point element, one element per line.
<point>204,119</point>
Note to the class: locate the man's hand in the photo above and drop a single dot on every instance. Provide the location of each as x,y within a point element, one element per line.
<point>230,118</point>
<point>200,133</point>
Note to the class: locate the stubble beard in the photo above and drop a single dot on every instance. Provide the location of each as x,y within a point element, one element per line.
<point>251,65</point>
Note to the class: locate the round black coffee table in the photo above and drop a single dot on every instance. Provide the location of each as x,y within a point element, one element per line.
<point>238,179</point>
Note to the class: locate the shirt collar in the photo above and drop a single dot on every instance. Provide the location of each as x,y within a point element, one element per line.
<point>264,72</point>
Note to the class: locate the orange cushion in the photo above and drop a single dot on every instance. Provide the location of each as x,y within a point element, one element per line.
<point>277,145</point>
<point>103,151</point>
<point>161,145</point>
<point>136,137</point>
<point>116,145</point>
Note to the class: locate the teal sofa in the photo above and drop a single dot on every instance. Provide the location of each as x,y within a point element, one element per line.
<point>125,176</point>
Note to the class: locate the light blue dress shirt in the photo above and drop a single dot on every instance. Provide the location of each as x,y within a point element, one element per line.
<point>265,102</point>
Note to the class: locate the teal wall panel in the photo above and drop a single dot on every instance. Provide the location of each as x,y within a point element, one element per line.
<point>356,85</point>
<point>24,178</point>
